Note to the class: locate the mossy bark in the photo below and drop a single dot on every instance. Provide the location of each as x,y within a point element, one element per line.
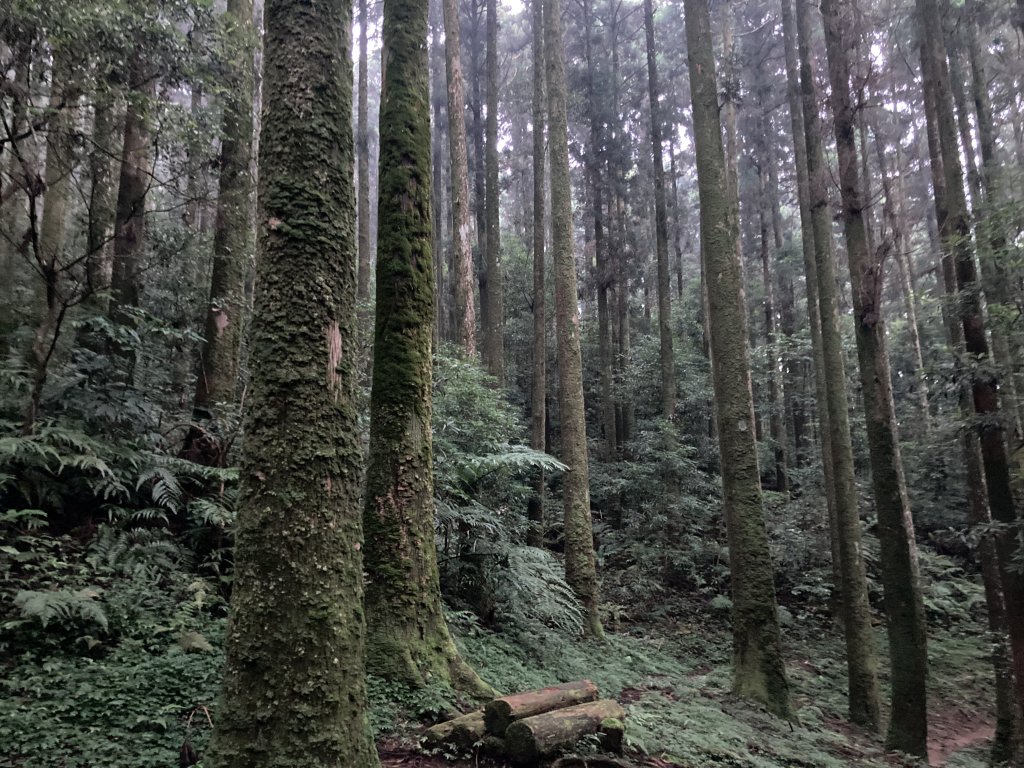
<point>293,690</point>
<point>232,242</point>
<point>861,660</point>
<point>538,410</point>
<point>759,671</point>
<point>668,368</point>
<point>494,318</point>
<point>580,562</point>
<point>101,196</point>
<point>130,210</point>
<point>408,639</point>
<point>955,230</point>
<point>363,159</point>
<point>51,300</point>
<point>462,255</point>
<point>904,605</point>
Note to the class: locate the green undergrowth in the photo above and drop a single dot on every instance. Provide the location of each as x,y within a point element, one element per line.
<point>674,682</point>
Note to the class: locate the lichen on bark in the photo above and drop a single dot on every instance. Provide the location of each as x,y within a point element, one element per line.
<point>408,639</point>
<point>294,692</point>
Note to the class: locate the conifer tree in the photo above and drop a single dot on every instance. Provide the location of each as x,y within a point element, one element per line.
<point>294,691</point>
<point>408,638</point>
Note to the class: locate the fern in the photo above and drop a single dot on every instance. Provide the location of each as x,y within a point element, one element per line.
<point>63,606</point>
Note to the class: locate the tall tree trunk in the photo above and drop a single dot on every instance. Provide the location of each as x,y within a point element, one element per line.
<point>810,274</point>
<point>1006,346</point>
<point>538,411</point>
<point>51,301</point>
<point>132,187</point>
<point>861,660</point>
<point>494,339</point>
<point>955,230</point>
<point>668,366</point>
<point>232,242</point>
<point>595,162</point>
<point>904,605</point>
<point>759,672</point>
<point>408,639</point>
<point>438,174</point>
<point>580,561</point>
<point>101,197</point>
<point>363,159</point>
<point>462,255</point>
<point>479,177</point>
<point>295,662</point>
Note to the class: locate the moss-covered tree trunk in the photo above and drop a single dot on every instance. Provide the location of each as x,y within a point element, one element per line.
<point>759,671</point>
<point>408,639</point>
<point>494,339</point>
<point>133,184</point>
<point>955,230</point>
<point>363,158</point>
<point>538,410</point>
<point>668,367</point>
<point>462,255</point>
<point>47,248</point>
<point>810,274</point>
<point>293,690</point>
<point>904,606</point>
<point>861,660</point>
<point>580,562</point>
<point>99,233</point>
<point>232,244</point>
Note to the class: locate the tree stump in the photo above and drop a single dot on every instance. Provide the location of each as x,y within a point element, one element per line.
<point>530,739</point>
<point>501,713</point>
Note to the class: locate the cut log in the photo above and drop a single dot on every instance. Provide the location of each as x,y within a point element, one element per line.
<point>530,739</point>
<point>501,713</point>
<point>462,733</point>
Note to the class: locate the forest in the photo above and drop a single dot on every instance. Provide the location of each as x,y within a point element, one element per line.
<point>570,383</point>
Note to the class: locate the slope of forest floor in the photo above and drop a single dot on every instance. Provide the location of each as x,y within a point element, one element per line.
<point>138,696</point>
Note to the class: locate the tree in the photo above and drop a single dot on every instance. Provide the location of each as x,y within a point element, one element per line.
<point>538,395</point>
<point>363,158</point>
<point>408,639</point>
<point>494,316</point>
<point>668,368</point>
<point>904,604</point>
<point>462,255</point>
<point>861,661</point>
<point>232,241</point>
<point>758,669</point>
<point>293,683</point>
<point>580,562</point>
<point>955,230</point>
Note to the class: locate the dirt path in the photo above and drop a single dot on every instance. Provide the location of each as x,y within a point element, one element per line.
<point>955,731</point>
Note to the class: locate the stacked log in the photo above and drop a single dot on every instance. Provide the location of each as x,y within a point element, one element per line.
<point>530,726</point>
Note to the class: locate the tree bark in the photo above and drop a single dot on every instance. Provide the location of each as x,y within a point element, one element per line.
<point>955,231</point>
<point>580,561</point>
<point>294,668</point>
<point>501,713</point>
<point>363,160</point>
<point>462,255</point>
<point>758,669</point>
<point>538,411</point>
<point>527,741</point>
<point>904,605</point>
<point>494,339</point>
<point>861,660</point>
<point>233,236</point>
<point>408,638</point>
<point>668,367</point>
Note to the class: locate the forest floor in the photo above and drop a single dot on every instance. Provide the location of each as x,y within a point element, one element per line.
<point>673,680</point>
<point>137,701</point>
